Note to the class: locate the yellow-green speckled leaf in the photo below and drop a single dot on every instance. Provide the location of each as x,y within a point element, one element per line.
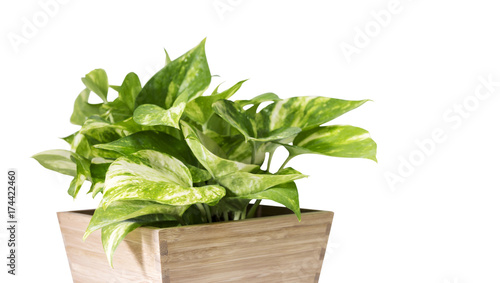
<point>217,166</point>
<point>180,81</point>
<point>155,176</point>
<point>200,108</point>
<point>337,141</point>
<point>124,210</point>
<point>97,82</point>
<point>285,194</point>
<point>244,183</point>
<point>152,115</point>
<point>303,112</point>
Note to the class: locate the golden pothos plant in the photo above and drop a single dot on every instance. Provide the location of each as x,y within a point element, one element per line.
<point>167,154</point>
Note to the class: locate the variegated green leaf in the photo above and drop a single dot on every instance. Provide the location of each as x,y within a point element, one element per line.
<point>280,134</point>
<point>82,174</point>
<point>112,235</point>
<point>66,162</point>
<point>129,90</point>
<point>286,194</point>
<point>77,182</point>
<point>116,111</point>
<point>83,109</point>
<point>155,176</point>
<point>303,112</point>
<point>152,115</point>
<point>244,183</point>
<point>58,160</point>
<point>97,81</point>
<point>180,81</point>
<point>151,140</point>
<point>167,58</point>
<point>200,109</point>
<point>96,188</point>
<point>98,169</point>
<point>217,125</point>
<point>237,149</point>
<point>143,167</point>
<point>216,165</point>
<point>79,144</point>
<point>236,117</point>
<point>199,175</point>
<point>231,204</point>
<point>255,102</point>
<point>121,218</point>
<point>210,144</point>
<point>258,99</point>
<point>129,126</point>
<point>123,210</point>
<point>138,211</point>
<point>338,141</point>
<point>98,130</point>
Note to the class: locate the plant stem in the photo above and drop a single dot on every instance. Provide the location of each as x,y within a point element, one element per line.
<point>271,153</point>
<point>254,149</point>
<point>286,161</point>
<point>207,211</point>
<point>252,211</point>
<point>244,213</point>
<point>237,215</point>
<point>180,220</point>
<point>226,216</point>
<point>201,208</point>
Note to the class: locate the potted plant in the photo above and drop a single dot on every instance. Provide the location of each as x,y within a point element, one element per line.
<point>178,171</point>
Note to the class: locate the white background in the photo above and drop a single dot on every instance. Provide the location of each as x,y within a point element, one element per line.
<point>436,223</point>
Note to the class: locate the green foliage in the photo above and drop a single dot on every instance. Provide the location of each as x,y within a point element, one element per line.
<point>164,154</point>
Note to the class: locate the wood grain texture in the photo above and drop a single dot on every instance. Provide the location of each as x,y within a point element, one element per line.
<point>272,248</point>
<point>135,260</point>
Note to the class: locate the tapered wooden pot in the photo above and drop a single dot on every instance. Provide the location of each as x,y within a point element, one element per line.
<point>274,247</point>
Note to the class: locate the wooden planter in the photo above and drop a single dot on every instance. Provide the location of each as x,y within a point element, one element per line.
<point>274,247</point>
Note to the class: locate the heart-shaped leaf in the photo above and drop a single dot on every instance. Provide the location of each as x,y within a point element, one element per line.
<point>216,165</point>
<point>58,160</point>
<point>238,149</point>
<point>286,194</point>
<point>123,210</point>
<point>82,109</point>
<point>337,141</point>
<point>200,109</point>
<point>97,81</point>
<point>303,112</point>
<point>152,115</point>
<point>151,140</point>
<point>246,125</point>
<point>236,117</point>
<point>98,130</point>
<point>244,183</point>
<point>180,81</point>
<point>68,163</point>
<point>129,90</point>
<point>79,144</point>
<point>256,101</point>
<point>113,234</point>
<point>155,176</point>
<point>82,174</point>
